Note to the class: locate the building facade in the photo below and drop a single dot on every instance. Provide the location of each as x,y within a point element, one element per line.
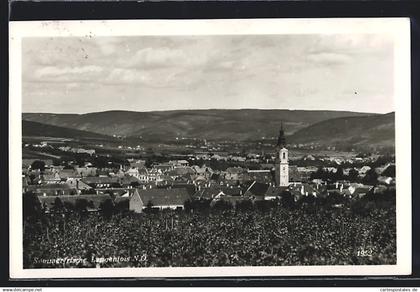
<point>282,161</point>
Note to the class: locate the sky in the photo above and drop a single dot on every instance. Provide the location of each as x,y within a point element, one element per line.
<point>146,73</point>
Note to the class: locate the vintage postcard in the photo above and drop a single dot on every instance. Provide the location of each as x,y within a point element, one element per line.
<point>210,148</point>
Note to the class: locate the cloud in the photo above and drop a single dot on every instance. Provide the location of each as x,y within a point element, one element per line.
<point>328,58</point>
<point>214,71</point>
<point>156,78</point>
<point>164,57</point>
<point>67,74</point>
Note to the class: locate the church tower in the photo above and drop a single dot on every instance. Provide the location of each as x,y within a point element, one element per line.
<point>282,160</point>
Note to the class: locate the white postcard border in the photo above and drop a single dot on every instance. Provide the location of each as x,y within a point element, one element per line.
<point>398,28</point>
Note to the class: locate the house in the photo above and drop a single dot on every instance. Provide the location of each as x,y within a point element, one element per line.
<point>362,191</point>
<point>233,200</point>
<point>138,164</point>
<point>77,184</point>
<point>231,191</point>
<point>164,180</point>
<point>94,202</point>
<point>179,163</point>
<point>191,188</point>
<point>389,171</point>
<point>85,171</point>
<point>269,166</point>
<point>200,179</point>
<point>353,186</point>
<point>386,180</point>
<point>330,169</point>
<point>128,181</point>
<point>206,193</point>
<point>98,182</point>
<point>162,168</point>
<point>256,191</point>
<point>133,171</point>
<point>53,189</point>
<point>295,175</point>
<point>359,190</point>
<point>273,192</point>
<point>158,198</point>
<point>232,173</point>
<point>363,170</point>
<point>50,177</point>
<point>216,177</point>
<point>299,190</point>
<point>185,172</point>
<point>68,173</point>
<point>202,171</point>
<point>142,174</point>
<point>263,176</point>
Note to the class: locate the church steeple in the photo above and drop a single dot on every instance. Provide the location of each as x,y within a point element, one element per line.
<point>282,160</point>
<point>281,142</point>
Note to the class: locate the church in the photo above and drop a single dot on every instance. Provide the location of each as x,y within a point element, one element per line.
<point>282,161</point>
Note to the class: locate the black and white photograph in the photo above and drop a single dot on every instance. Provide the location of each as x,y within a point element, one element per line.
<point>210,148</point>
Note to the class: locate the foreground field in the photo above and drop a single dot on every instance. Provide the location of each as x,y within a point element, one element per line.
<point>277,237</point>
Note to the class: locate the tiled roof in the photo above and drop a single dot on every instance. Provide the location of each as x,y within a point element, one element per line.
<point>53,186</point>
<point>159,197</point>
<point>100,180</point>
<point>258,189</point>
<point>234,170</point>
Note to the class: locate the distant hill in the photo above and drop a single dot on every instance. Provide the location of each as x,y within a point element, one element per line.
<point>245,124</point>
<point>34,129</point>
<point>375,130</point>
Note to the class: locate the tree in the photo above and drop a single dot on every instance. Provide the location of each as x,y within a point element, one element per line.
<point>334,198</point>
<point>107,208</point>
<point>58,206</point>
<point>122,206</point>
<point>287,200</point>
<point>222,205</point>
<point>81,206</point>
<point>245,205</point>
<point>389,171</point>
<point>188,205</point>
<point>68,206</point>
<point>371,177</point>
<point>353,175</point>
<point>32,178</point>
<point>149,207</point>
<point>38,164</point>
<point>32,208</point>
<point>339,175</point>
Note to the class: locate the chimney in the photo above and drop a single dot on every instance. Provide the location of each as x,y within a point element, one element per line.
<point>341,188</point>
<point>336,185</point>
<point>302,190</point>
